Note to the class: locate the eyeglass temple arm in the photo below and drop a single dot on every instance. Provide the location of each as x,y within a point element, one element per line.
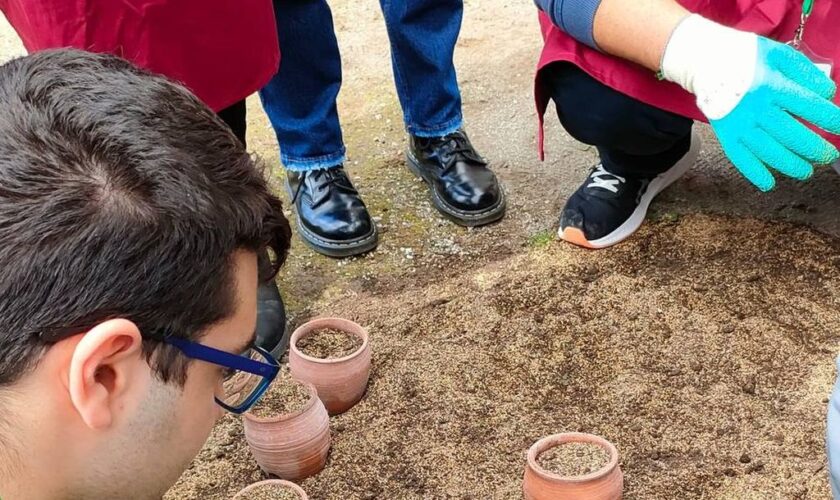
<point>204,353</point>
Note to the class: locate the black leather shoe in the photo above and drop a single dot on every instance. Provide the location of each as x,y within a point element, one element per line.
<point>331,217</point>
<point>463,188</point>
<point>272,333</point>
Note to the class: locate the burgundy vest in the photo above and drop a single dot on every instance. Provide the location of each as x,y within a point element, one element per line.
<point>222,50</point>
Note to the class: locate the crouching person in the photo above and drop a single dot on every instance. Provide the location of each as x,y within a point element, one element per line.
<point>631,76</point>
<point>130,222</point>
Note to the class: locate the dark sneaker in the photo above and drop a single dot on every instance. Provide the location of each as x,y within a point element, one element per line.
<point>331,216</point>
<point>608,208</point>
<point>462,187</point>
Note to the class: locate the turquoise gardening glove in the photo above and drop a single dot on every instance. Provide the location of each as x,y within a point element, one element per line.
<point>762,132</point>
<point>755,92</point>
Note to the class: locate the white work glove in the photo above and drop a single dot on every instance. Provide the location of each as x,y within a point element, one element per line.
<point>754,91</point>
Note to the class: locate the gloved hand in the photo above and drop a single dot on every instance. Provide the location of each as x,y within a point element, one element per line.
<point>752,90</point>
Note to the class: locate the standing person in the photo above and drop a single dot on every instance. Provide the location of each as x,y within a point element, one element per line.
<point>130,224</point>
<point>722,62</point>
<point>222,50</point>
<point>301,104</point>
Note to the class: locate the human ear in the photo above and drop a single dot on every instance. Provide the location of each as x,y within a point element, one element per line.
<point>104,366</point>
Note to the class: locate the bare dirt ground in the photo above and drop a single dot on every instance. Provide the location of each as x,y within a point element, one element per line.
<point>709,336</point>
<point>675,346</point>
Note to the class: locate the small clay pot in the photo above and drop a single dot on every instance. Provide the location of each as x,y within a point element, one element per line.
<point>279,482</point>
<point>604,484</point>
<point>292,446</point>
<point>341,382</point>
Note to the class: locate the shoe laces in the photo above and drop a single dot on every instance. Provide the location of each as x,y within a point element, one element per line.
<point>455,147</point>
<point>326,178</point>
<point>602,179</point>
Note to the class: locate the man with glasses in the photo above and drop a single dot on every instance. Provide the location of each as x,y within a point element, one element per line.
<point>222,50</point>
<point>130,223</point>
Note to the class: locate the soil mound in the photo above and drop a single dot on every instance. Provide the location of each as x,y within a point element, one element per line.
<point>693,344</point>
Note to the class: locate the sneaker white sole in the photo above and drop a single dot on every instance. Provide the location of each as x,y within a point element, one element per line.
<point>634,222</point>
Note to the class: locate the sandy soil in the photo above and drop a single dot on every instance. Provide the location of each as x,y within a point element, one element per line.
<point>703,348</point>
<point>574,459</point>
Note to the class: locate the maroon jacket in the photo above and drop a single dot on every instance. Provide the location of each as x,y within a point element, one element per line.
<point>222,50</point>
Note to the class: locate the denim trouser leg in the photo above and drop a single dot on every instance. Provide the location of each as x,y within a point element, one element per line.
<point>632,137</point>
<point>300,100</point>
<point>423,35</point>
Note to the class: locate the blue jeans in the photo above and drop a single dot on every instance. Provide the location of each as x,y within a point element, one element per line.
<point>300,99</point>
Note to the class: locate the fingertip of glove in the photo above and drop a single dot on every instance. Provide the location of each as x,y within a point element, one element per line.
<point>805,174</point>
<point>766,187</point>
<point>829,90</point>
<point>827,154</point>
<point>832,90</point>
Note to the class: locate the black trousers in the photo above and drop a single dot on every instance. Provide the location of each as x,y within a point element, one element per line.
<point>234,116</point>
<point>632,137</point>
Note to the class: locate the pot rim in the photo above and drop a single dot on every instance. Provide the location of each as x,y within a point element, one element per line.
<point>553,440</point>
<point>280,482</point>
<point>313,398</point>
<point>349,327</point>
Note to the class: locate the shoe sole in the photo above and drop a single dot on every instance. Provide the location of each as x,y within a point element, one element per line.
<point>334,248</point>
<point>460,217</point>
<point>634,222</point>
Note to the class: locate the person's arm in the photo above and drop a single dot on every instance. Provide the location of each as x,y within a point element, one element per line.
<point>754,91</point>
<point>603,24</point>
<point>643,41</point>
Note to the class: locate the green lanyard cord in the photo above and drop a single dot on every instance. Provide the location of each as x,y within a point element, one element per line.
<point>799,34</point>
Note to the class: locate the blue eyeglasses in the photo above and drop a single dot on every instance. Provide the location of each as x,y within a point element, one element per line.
<point>247,376</point>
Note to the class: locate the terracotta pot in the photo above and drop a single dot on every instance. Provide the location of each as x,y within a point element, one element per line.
<point>341,382</point>
<point>604,484</point>
<point>279,482</point>
<point>291,446</point>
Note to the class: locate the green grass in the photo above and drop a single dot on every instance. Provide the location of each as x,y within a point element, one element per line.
<point>541,239</point>
<point>666,217</point>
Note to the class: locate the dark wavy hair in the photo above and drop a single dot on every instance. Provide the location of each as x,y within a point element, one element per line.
<point>121,195</point>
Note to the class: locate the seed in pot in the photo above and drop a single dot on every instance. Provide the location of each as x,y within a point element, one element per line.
<point>329,343</point>
<point>574,459</point>
<point>285,395</point>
